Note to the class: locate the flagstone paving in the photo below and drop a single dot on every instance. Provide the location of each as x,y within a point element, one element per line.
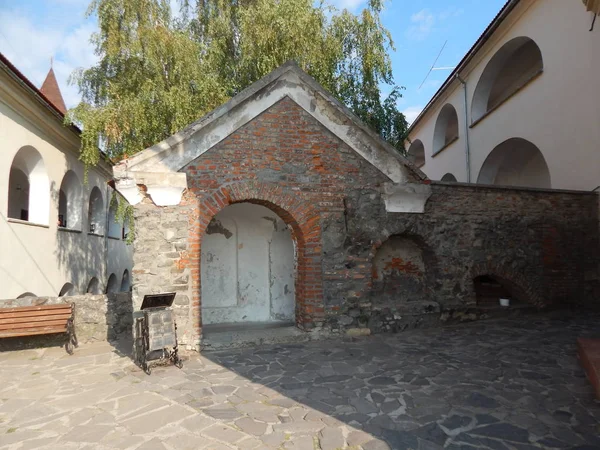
<point>506,384</point>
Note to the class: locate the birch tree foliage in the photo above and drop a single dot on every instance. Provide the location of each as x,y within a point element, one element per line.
<point>159,70</point>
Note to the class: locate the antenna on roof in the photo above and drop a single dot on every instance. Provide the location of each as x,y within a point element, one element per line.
<point>51,61</point>
<point>435,68</point>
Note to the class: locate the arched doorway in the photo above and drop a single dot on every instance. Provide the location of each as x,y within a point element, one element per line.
<point>112,285</point>
<point>247,267</point>
<point>67,290</point>
<point>93,287</point>
<point>449,178</point>
<point>125,282</point>
<point>490,288</point>
<point>515,162</point>
<point>70,202</point>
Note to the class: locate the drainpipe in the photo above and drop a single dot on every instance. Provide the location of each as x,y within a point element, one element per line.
<point>467,148</point>
<point>107,225</point>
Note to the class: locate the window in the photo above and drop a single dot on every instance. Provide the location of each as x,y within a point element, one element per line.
<point>70,202</point>
<point>29,187</point>
<point>511,68</point>
<point>96,212</point>
<point>446,128</point>
<point>515,162</point>
<point>416,153</point>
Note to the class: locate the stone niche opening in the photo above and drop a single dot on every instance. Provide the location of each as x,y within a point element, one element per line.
<point>400,271</point>
<point>490,288</point>
<point>248,268</point>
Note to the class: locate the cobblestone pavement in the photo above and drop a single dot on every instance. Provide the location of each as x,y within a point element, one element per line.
<point>507,384</point>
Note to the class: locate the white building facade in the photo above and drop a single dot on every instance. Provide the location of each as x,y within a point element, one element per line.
<point>522,108</point>
<point>58,234</point>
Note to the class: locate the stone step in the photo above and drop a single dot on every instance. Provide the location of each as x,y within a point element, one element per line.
<point>228,336</point>
<point>589,355</point>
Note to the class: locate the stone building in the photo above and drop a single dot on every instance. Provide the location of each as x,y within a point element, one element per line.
<point>281,206</point>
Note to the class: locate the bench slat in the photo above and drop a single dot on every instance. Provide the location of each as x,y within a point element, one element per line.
<point>21,326</point>
<point>35,313</point>
<point>31,331</point>
<point>35,308</point>
<point>7,320</point>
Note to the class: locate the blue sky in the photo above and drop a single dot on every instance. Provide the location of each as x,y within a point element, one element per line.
<point>33,31</point>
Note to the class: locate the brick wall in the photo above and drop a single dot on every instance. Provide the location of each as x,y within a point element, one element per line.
<point>331,198</point>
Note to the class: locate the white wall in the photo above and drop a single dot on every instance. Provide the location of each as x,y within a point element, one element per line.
<point>558,111</point>
<point>247,267</point>
<point>41,259</point>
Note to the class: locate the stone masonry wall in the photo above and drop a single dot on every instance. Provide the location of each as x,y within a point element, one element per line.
<point>106,317</point>
<point>537,242</point>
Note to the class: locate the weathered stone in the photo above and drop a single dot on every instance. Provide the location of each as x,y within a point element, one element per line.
<point>223,433</point>
<point>331,439</point>
<point>502,431</point>
<point>222,412</point>
<point>250,426</point>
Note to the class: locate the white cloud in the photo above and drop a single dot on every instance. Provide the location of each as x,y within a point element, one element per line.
<point>450,13</point>
<point>411,113</point>
<point>431,84</point>
<point>424,22</point>
<point>422,25</point>
<point>30,46</point>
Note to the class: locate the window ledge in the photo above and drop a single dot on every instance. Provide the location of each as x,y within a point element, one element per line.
<point>68,230</point>
<point>114,238</point>
<point>452,141</point>
<point>512,94</point>
<point>26,222</point>
<point>95,234</point>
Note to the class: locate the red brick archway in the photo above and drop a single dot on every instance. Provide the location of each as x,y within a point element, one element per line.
<point>512,280</point>
<point>304,222</point>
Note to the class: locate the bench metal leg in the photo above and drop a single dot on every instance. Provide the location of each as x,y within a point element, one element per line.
<point>71,337</point>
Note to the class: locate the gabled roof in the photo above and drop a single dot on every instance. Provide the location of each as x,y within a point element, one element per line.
<point>175,152</point>
<point>52,92</point>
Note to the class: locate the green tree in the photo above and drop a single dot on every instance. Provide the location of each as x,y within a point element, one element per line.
<point>158,72</point>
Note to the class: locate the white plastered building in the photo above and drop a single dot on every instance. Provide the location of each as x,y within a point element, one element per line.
<point>523,107</point>
<point>58,233</point>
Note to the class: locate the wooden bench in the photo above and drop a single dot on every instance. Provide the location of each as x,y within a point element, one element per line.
<point>40,319</point>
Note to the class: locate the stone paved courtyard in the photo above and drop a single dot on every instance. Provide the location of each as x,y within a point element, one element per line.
<point>506,384</point>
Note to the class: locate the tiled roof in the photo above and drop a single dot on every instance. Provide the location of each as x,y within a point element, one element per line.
<point>51,91</point>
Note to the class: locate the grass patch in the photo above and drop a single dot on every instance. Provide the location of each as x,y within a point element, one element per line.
<point>11,430</point>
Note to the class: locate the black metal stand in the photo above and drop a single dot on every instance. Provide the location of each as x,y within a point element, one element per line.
<point>145,355</point>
